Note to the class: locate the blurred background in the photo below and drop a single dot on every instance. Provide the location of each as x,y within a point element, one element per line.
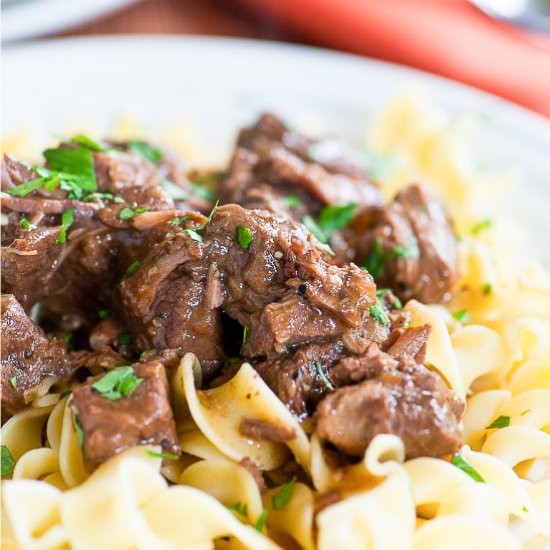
<point>501,46</point>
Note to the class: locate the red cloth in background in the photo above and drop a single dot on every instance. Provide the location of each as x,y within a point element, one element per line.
<point>446,37</point>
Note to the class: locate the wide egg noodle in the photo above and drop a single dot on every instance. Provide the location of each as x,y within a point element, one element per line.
<point>218,413</point>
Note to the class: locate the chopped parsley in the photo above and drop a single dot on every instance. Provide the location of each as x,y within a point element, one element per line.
<point>378,313</point>
<point>280,499</point>
<point>179,220</point>
<point>175,191</point>
<point>23,189</point>
<point>124,339</point>
<point>323,376</point>
<point>481,226</point>
<point>292,201</point>
<point>334,217</point>
<point>193,235</point>
<point>129,212</point>
<point>146,151</point>
<point>313,228</point>
<point>79,431</point>
<point>374,263</point>
<point>132,268</point>
<point>245,339</point>
<point>24,223</point>
<point>467,468</point>
<point>487,288</point>
<point>500,422</point>
<point>13,382</point>
<point>526,411</point>
<point>260,524</point>
<point>89,143</point>
<point>244,236</point>
<point>462,316</point>
<point>156,454</point>
<point>7,461</point>
<point>409,251</point>
<point>381,293</point>
<point>524,509</point>
<point>147,352</point>
<point>117,383</point>
<point>203,193</point>
<point>67,219</point>
<point>103,313</point>
<point>240,508</point>
<point>99,196</point>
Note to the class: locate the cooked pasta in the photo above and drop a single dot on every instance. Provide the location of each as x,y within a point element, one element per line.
<point>230,489</point>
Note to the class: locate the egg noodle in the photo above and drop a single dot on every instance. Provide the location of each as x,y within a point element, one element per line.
<point>495,495</point>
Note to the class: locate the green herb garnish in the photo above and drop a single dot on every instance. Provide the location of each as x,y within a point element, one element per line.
<point>103,313</point>
<point>292,201</point>
<point>67,219</point>
<point>75,169</point>
<point>323,376</point>
<point>500,422</point>
<point>24,223</point>
<point>124,339</point>
<point>23,189</point>
<point>13,382</point>
<point>481,226</point>
<point>156,454</point>
<point>129,212</point>
<point>147,352</point>
<point>378,313</point>
<point>374,263</point>
<point>89,143</point>
<point>459,462</point>
<point>487,288</point>
<point>7,461</point>
<point>244,236</point>
<point>381,293</point>
<point>462,316</point>
<point>148,152</point>
<point>240,508</point>
<point>260,524</point>
<point>203,193</point>
<point>314,229</point>
<point>334,217</point>
<point>245,339</point>
<point>193,235</point>
<point>132,268</point>
<point>526,411</point>
<point>179,220</point>
<point>117,383</point>
<point>79,431</point>
<point>409,251</point>
<point>280,499</point>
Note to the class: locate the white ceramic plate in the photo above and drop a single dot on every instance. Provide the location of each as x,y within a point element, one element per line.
<point>29,18</point>
<point>216,85</point>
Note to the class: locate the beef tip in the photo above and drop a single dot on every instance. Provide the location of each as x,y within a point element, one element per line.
<point>281,277</point>
<point>297,379</point>
<point>409,342</point>
<point>105,334</point>
<point>29,359</point>
<point>260,429</point>
<point>143,417</point>
<point>96,361</point>
<point>418,223</point>
<point>270,162</point>
<point>170,303</point>
<point>411,402</point>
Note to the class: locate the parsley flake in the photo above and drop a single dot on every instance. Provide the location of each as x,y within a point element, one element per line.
<point>378,313</point>
<point>193,235</point>
<point>7,461</point>
<point>132,268</point>
<point>462,316</point>
<point>202,193</point>
<point>467,468</point>
<point>117,383</point>
<point>13,382</point>
<point>409,251</point>
<point>24,189</point>
<point>374,262</point>
<point>323,376</point>
<point>526,411</point>
<point>156,454</point>
<point>244,236</point>
<point>129,212</point>
<point>240,508</point>
<point>147,352</point>
<point>314,229</point>
<point>487,288</point>
<point>79,431</point>
<point>280,500</point>
<point>67,219</point>
<point>24,223</point>
<point>334,217</point>
<point>103,313</point>
<point>500,422</point>
<point>124,339</point>
<point>481,226</point>
<point>146,151</point>
<point>292,201</point>
<point>179,220</point>
<point>245,339</point>
<point>260,524</point>
<point>89,143</point>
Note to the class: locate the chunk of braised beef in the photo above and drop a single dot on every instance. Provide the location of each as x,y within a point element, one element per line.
<point>400,398</point>
<point>31,363</point>
<point>419,246</point>
<point>144,417</point>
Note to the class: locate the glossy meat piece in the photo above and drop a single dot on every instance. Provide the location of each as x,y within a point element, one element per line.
<point>407,400</point>
<point>29,359</point>
<point>141,418</point>
<point>415,218</point>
